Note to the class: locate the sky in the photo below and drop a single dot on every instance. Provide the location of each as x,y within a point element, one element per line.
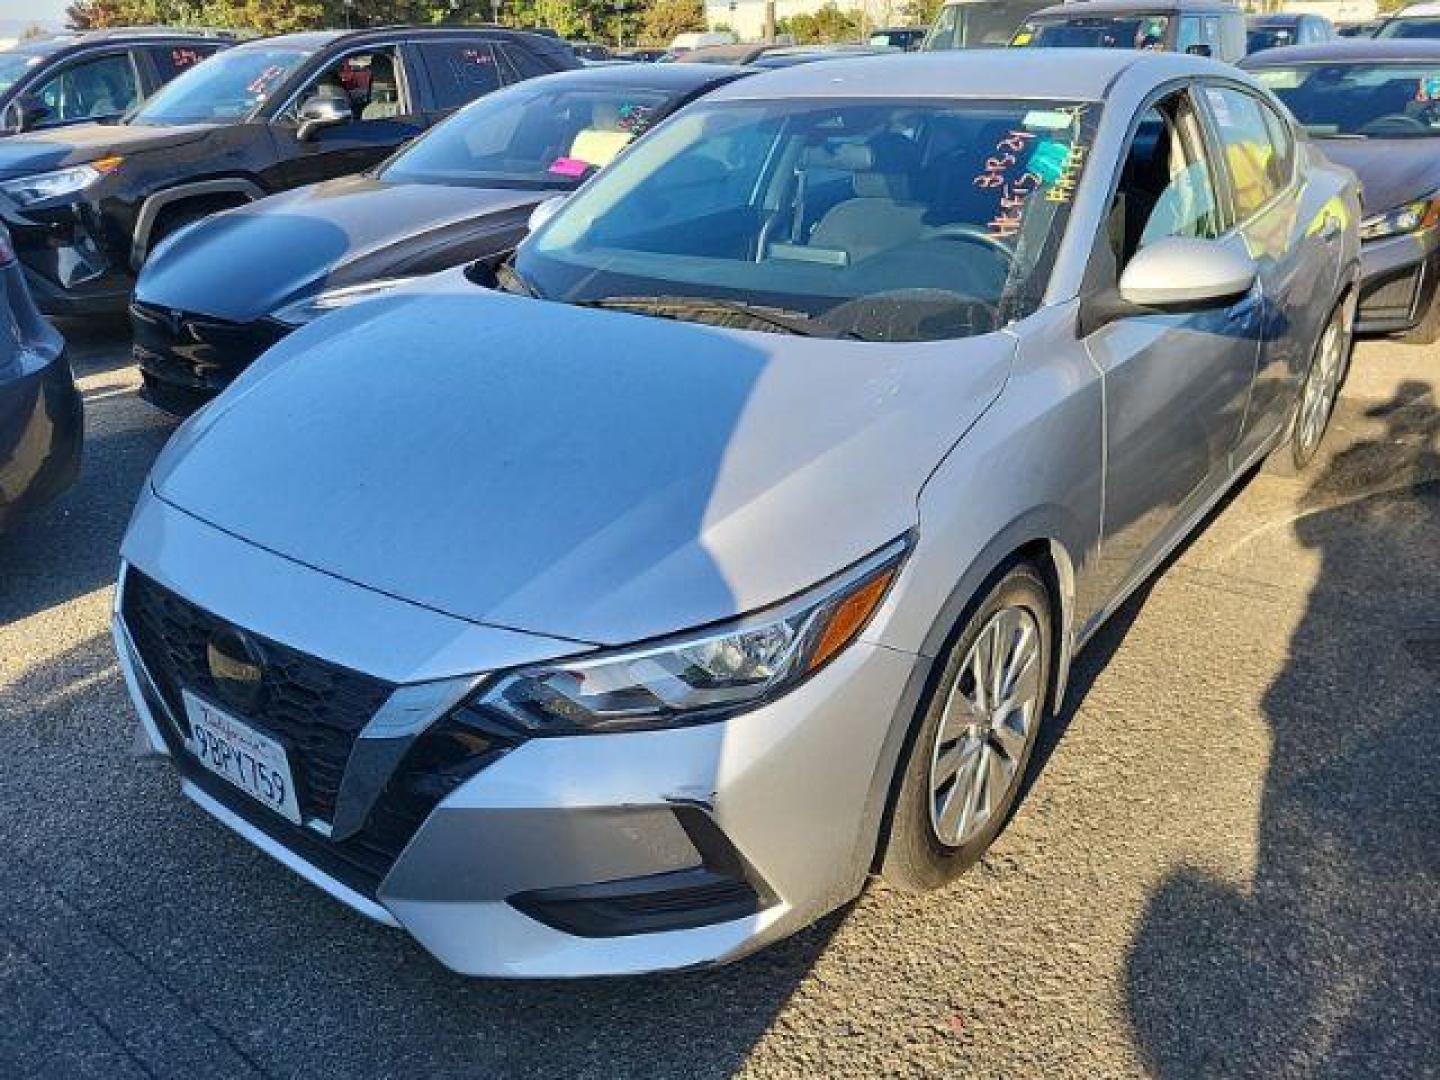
<point>33,10</point>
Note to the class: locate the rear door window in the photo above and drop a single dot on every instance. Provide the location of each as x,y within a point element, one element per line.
<point>171,60</point>
<point>460,71</point>
<point>1258,150</point>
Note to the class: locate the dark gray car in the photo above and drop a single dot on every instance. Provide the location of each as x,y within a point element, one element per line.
<point>1374,105</point>
<point>462,193</point>
<point>41,420</point>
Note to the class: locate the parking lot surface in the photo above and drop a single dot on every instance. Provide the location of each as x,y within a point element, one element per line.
<point>1226,864</point>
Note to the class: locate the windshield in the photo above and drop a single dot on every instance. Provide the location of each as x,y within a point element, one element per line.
<point>881,221</point>
<point>529,137</point>
<point>978,25</point>
<point>1134,32</point>
<point>228,86</point>
<point>1260,38</point>
<point>1413,27</point>
<point>1364,100</point>
<point>14,65</point>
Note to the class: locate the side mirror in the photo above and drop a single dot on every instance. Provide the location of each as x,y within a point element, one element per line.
<point>29,112</point>
<point>1198,50</point>
<point>320,112</point>
<point>1183,274</point>
<point>544,211</point>
<point>1172,275</point>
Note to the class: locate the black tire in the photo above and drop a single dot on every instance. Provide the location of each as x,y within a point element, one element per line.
<point>915,859</point>
<point>1295,455</point>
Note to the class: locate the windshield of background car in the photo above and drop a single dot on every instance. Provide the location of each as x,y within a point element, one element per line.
<point>14,66</point>
<point>976,25</point>
<point>896,221</point>
<point>1133,32</point>
<point>1414,27</point>
<point>1260,38</point>
<point>529,137</point>
<point>1369,100</point>
<point>228,86</point>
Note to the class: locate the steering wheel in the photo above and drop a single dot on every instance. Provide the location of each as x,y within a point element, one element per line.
<point>972,234</point>
<point>1394,122</point>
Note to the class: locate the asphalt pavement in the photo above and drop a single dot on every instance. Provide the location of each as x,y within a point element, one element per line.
<point>1226,865</point>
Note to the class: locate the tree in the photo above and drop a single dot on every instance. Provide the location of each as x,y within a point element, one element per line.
<point>921,12</point>
<point>666,18</point>
<point>827,24</point>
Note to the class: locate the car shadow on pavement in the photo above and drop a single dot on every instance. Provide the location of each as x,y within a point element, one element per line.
<point>1328,962</point>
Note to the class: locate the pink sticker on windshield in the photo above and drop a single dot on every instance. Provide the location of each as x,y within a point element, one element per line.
<point>569,166</point>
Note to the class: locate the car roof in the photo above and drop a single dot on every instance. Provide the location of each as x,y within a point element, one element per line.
<point>1347,49</point>
<point>670,78</point>
<point>320,39</point>
<point>51,44</point>
<point>1087,8</point>
<point>1274,19</point>
<point>1045,74</point>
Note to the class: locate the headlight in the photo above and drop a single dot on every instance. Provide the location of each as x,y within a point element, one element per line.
<point>53,185</point>
<point>697,677</point>
<point>1412,217</point>
<point>312,307</point>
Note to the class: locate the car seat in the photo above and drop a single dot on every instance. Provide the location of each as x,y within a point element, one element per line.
<point>384,100</point>
<point>883,172</point>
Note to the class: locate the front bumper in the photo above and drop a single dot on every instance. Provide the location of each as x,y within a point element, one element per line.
<point>1399,280</point>
<point>186,359</point>
<point>68,264</point>
<point>577,856</point>
<point>41,432</point>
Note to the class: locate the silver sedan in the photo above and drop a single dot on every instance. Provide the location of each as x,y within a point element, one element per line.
<point>626,606</point>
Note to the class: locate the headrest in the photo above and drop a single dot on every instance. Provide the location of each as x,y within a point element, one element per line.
<point>846,157</point>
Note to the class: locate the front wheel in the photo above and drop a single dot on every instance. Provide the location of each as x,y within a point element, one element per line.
<point>966,764</point>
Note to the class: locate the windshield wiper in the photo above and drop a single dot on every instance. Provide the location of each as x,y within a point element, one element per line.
<point>674,307</point>
<point>512,281</point>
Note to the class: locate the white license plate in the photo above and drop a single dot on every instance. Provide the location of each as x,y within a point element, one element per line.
<point>233,750</point>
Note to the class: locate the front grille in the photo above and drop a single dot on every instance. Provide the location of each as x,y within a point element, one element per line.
<point>195,351</point>
<point>316,709</point>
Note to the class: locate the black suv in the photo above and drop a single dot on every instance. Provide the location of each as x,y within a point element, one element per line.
<point>87,204</point>
<point>93,77</point>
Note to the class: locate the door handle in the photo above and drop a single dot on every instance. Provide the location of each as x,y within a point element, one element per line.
<point>1330,230</point>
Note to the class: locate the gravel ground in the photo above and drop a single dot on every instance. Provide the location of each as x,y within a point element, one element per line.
<point>1226,865</point>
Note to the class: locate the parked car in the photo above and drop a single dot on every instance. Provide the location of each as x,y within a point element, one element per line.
<point>97,76</point>
<point>627,617</point>
<point>904,38</point>
<point>808,54</point>
<point>978,24</point>
<point>1415,21</point>
<point>1374,106</point>
<point>87,204</point>
<point>461,193</point>
<point>700,40</point>
<point>1197,27</point>
<point>642,55</point>
<point>589,51</point>
<point>41,417</point>
<point>1277,30</point>
<point>1359,29</point>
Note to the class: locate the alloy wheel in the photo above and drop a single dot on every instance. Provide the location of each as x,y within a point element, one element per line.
<point>985,729</point>
<point>1322,384</point>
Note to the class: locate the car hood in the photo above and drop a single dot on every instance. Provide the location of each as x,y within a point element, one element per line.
<point>335,233</point>
<point>25,155</point>
<point>593,475</point>
<point>1392,172</point>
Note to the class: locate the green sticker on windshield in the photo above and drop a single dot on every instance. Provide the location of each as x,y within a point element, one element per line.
<point>1048,160</point>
